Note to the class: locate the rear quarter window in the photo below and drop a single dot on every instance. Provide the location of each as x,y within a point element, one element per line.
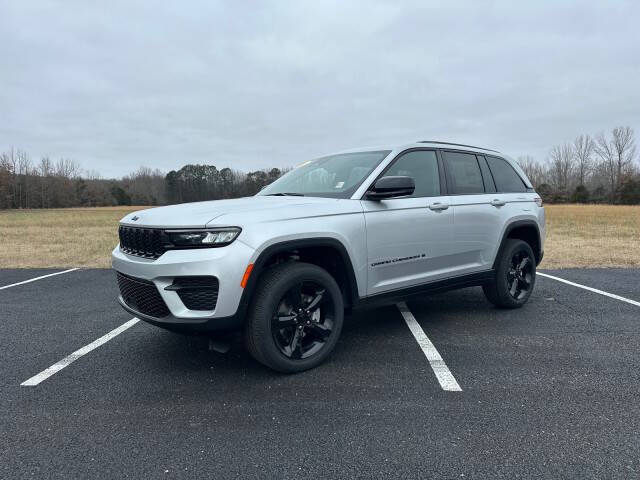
<point>505,177</point>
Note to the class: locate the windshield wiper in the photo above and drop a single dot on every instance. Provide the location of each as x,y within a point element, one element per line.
<point>285,194</point>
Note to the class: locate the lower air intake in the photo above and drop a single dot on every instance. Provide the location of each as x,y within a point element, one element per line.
<point>142,296</point>
<point>197,293</point>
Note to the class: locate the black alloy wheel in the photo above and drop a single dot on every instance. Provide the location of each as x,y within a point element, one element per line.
<point>303,320</point>
<point>295,317</point>
<point>520,274</point>
<point>515,275</point>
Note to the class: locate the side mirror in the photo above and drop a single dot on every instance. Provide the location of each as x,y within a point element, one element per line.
<point>391,187</point>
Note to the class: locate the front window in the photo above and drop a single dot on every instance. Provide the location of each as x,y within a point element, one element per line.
<point>335,176</point>
<point>422,166</point>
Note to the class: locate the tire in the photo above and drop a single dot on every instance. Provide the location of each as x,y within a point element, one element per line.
<point>517,264</point>
<point>285,330</point>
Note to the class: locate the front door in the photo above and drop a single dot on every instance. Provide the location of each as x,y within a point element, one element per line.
<point>409,238</point>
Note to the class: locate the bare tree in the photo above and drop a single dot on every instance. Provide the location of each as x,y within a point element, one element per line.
<point>616,154</point>
<point>22,178</point>
<point>561,167</point>
<point>67,168</point>
<point>92,175</point>
<point>624,146</point>
<point>6,181</point>
<point>533,169</point>
<point>45,170</point>
<point>145,186</point>
<point>583,151</point>
<point>604,150</point>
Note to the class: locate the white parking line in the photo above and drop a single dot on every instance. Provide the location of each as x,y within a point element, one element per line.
<point>591,289</point>
<point>443,374</point>
<point>66,361</point>
<point>38,278</point>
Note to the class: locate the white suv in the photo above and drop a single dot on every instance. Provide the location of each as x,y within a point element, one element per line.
<point>360,227</point>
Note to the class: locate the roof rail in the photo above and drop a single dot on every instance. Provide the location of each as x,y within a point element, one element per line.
<point>457,145</point>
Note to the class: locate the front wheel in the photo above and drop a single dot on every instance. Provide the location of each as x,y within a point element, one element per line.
<point>515,276</point>
<point>295,318</point>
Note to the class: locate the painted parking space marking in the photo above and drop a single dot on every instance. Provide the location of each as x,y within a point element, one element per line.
<point>68,360</point>
<point>591,289</point>
<point>38,278</point>
<point>443,374</point>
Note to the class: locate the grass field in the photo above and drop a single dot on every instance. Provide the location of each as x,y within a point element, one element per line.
<point>73,237</point>
<point>592,236</point>
<point>577,236</point>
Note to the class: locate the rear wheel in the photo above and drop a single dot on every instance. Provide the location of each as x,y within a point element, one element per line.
<point>296,317</point>
<point>515,276</point>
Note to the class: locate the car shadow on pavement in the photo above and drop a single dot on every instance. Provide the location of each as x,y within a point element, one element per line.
<point>375,351</point>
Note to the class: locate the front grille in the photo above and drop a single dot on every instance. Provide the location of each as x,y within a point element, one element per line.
<point>142,296</point>
<point>142,242</point>
<point>197,293</point>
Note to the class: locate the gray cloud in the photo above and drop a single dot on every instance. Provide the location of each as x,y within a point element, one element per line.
<point>117,85</point>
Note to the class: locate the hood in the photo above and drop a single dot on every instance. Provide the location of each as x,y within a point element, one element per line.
<point>234,211</point>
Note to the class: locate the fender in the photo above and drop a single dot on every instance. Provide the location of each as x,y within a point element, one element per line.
<point>260,265</point>
<point>512,226</point>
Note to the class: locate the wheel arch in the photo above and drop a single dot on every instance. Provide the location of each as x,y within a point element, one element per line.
<point>315,250</point>
<point>526,230</point>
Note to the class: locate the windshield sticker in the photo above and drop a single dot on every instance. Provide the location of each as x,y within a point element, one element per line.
<point>339,185</point>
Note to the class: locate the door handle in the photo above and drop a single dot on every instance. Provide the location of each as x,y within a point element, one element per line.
<point>496,202</point>
<point>439,206</point>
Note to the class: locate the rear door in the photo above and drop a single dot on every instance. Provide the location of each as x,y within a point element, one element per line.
<point>409,238</point>
<point>518,200</point>
<point>477,209</point>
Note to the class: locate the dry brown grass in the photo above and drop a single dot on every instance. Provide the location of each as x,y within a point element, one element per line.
<point>577,236</point>
<point>592,236</point>
<point>73,237</point>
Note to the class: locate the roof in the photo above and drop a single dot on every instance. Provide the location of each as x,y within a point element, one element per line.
<point>457,145</point>
<point>432,143</point>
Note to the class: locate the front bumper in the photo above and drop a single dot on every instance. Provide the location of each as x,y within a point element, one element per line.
<point>227,264</point>
<point>180,325</point>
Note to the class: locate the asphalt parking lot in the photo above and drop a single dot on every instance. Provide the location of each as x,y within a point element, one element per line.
<point>551,390</point>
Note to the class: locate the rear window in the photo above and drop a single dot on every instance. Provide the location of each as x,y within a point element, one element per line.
<point>463,172</point>
<point>505,177</point>
<point>489,186</point>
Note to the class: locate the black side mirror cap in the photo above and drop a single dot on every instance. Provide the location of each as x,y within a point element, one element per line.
<point>391,187</point>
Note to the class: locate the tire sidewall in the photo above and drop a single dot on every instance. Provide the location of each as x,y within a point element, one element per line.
<point>511,248</point>
<point>275,290</point>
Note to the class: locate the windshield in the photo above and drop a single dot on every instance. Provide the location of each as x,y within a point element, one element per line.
<point>336,176</point>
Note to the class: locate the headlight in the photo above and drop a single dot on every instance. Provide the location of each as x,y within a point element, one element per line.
<point>209,237</point>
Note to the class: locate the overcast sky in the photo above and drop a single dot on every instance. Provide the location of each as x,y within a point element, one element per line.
<point>117,85</point>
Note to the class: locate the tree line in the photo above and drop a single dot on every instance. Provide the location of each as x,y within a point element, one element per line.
<point>590,169</point>
<point>61,184</point>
